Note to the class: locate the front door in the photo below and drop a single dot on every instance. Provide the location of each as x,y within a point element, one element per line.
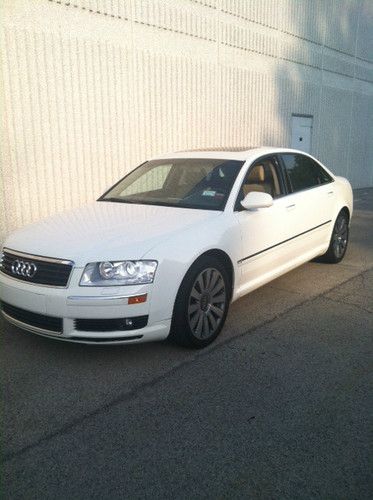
<point>264,231</point>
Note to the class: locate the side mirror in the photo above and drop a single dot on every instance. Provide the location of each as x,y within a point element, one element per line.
<point>257,199</point>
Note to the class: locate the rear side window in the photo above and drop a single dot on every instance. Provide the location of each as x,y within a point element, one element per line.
<point>303,172</point>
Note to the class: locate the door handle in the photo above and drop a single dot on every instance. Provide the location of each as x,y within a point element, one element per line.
<point>290,207</point>
<point>330,193</point>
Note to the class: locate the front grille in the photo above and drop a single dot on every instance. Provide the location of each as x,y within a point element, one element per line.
<point>39,320</point>
<point>111,325</point>
<point>39,270</point>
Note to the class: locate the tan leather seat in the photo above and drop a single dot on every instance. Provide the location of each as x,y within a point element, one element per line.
<point>257,174</point>
<point>255,180</point>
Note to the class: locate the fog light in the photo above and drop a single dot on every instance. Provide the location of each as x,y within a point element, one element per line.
<point>137,299</point>
<point>128,322</point>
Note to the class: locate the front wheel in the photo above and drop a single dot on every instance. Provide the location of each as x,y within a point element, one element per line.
<point>201,305</point>
<point>339,240</point>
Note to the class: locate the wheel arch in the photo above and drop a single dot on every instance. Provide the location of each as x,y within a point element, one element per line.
<point>178,332</point>
<point>345,210</point>
<point>224,258</point>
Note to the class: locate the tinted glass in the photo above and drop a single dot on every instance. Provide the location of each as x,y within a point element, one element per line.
<point>303,172</point>
<point>189,183</point>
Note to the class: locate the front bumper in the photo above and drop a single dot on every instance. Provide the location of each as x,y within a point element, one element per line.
<point>81,303</point>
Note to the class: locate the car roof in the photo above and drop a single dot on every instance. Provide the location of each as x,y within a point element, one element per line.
<point>225,153</point>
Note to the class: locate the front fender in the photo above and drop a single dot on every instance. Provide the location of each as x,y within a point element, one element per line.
<point>176,255</point>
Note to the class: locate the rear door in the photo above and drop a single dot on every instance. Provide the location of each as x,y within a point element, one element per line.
<point>310,202</point>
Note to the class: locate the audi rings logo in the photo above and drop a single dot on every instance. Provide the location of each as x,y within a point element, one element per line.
<point>26,269</point>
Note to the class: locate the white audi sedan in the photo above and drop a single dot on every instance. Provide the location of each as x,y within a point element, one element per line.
<point>166,250</point>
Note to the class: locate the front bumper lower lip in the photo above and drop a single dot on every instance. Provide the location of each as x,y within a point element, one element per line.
<point>107,304</point>
<point>156,331</point>
<point>30,328</point>
<point>58,335</point>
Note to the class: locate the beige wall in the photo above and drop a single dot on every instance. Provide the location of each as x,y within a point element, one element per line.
<point>91,88</point>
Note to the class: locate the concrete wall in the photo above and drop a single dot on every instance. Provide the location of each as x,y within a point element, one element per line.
<point>92,88</point>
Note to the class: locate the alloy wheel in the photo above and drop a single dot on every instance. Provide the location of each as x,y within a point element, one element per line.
<point>340,236</point>
<point>207,303</point>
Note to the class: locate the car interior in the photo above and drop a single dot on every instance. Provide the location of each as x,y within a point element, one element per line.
<point>262,178</point>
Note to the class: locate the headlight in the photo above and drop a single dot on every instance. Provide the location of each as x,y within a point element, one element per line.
<point>124,272</point>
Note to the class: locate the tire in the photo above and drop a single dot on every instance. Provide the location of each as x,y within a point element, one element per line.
<point>338,241</point>
<point>201,304</point>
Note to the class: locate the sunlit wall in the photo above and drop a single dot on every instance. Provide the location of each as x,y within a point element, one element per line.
<point>92,88</point>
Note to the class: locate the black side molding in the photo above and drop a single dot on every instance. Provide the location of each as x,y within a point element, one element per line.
<point>282,242</point>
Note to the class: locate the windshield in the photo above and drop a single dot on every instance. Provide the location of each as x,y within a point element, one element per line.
<point>188,183</point>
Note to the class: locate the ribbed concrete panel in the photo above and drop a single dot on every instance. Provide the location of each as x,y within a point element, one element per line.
<point>91,88</point>
<point>341,32</point>
<point>364,41</point>
<point>336,103</point>
<point>361,154</point>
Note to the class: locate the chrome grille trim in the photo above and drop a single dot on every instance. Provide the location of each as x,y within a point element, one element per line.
<point>52,272</point>
<point>38,257</point>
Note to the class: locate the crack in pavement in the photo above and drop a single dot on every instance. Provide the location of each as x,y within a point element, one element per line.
<point>348,298</point>
<point>352,304</point>
<point>126,396</point>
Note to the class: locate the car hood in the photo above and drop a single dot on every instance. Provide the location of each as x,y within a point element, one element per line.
<point>105,231</point>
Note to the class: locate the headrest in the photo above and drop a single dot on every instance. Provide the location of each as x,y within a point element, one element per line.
<point>257,174</point>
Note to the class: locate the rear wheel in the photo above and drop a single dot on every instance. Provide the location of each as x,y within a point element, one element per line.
<point>339,240</point>
<point>201,304</point>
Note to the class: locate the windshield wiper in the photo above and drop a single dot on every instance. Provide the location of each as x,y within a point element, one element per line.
<point>160,204</point>
<point>117,200</point>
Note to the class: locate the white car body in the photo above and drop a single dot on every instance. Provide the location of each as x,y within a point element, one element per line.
<point>261,245</point>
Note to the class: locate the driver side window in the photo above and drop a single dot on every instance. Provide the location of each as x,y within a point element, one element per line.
<point>262,177</point>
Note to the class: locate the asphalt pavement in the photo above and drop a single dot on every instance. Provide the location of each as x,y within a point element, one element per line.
<point>277,407</point>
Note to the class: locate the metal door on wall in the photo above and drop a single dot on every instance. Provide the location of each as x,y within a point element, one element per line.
<point>301,132</point>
